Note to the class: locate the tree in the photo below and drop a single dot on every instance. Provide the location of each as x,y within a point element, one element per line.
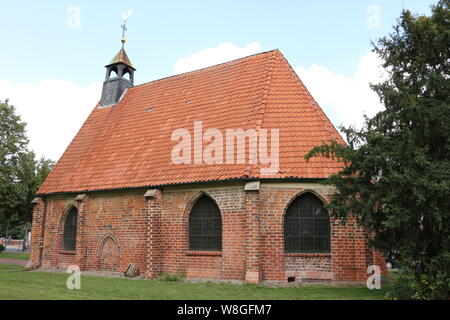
<point>396,178</point>
<point>13,153</point>
<point>20,174</point>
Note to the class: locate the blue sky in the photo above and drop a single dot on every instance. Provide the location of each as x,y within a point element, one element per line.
<point>52,68</point>
<point>38,44</point>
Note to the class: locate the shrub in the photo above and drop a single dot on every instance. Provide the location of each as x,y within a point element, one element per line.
<point>2,248</point>
<point>170,277</point>
<point>433,283</point>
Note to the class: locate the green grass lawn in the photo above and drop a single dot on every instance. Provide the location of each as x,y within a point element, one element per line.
<point>14,255</point>
<point>15,283</point>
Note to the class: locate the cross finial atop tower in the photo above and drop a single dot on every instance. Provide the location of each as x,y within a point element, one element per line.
<point>125,17</point>
<point>119,72</point>
<point>124,28</point>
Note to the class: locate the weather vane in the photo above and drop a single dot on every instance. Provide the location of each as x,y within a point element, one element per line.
<point>125,17</point>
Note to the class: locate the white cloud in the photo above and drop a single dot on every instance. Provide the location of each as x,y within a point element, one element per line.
<point>212,56</point>
<point>54,111</point>
<point>345,99</point>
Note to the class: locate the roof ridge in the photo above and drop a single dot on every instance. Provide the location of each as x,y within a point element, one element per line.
<point>262,105</point>
<point>205,68</point>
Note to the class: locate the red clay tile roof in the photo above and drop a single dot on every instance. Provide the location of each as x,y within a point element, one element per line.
<point>125,146</point>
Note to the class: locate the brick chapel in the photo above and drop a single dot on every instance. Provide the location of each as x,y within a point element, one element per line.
<point>116,196</point>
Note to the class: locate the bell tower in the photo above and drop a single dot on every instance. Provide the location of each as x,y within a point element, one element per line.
<point>119,75</point>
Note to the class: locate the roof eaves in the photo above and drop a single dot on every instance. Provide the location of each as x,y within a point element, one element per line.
<point>242,179</point>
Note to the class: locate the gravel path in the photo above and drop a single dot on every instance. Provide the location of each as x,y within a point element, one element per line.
<point>13,261</point>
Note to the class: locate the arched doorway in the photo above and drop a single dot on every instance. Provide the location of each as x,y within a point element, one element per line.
<point>109,254</point>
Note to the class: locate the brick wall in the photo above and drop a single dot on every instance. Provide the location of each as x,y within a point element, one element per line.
<point>108,224</point>
<point>151,229</point>
<point>230,263</point>
<point>13,242</point>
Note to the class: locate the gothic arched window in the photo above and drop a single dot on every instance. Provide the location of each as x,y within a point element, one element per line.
<point>70,231</point>
<point>306,226</point>
<point>205,226</point>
